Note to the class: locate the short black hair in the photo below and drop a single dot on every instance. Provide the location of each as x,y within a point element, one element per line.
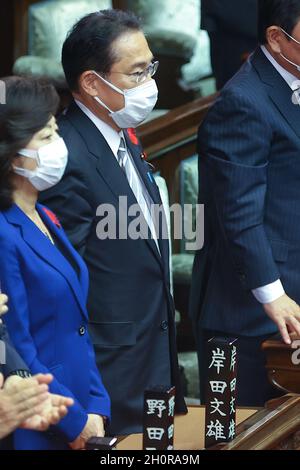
<point>29,105</point>
<point>88,44</point>
<point>282,13</point>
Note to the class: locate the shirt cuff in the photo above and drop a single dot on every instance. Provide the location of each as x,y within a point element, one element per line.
<point>269,293</point>
<point>24,374</point>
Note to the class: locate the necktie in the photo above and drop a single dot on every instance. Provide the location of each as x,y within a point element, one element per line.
<point>139,190</point>
<point>122,154</point>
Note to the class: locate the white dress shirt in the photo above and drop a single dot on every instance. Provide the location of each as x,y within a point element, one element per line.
<point>292,81</point>
<point>273,291</point>
<point>113,139</point>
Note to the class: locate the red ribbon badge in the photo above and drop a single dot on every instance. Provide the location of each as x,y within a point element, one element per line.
<point>52,217</point>
<point>132,136</point>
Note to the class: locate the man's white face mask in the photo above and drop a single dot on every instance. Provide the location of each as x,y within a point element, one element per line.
<point>139,102</point>
<point>51,164</point>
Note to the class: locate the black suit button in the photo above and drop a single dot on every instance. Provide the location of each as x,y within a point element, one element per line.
<point>164,325</point>
<point>81,330</point>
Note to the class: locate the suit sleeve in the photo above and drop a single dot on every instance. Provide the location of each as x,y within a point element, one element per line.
<point>98,403</point>
<point>69,200</point>
<point>17,321</point>
<point>235,141</point>
<point>12,363</point>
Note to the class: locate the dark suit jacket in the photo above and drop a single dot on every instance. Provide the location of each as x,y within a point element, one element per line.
<point>249,174</point>
<point>130,305</point>
<point>227,15</point>
<point>11,362</point>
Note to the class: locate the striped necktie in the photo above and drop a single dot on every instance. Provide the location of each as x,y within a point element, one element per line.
<point>139,190</point>
<point>122,154</point>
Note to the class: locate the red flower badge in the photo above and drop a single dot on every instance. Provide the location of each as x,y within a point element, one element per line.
<point>132,136</point>
<point>52,217</point>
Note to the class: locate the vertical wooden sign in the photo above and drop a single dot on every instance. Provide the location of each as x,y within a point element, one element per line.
<point>159,405</point>
<point>220,413</point>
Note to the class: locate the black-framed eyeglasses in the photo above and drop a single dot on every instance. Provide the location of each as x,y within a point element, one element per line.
<point>140,77</point>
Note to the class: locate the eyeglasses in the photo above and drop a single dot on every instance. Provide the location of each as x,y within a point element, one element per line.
<point>140,77</point>
<point>291,37</point>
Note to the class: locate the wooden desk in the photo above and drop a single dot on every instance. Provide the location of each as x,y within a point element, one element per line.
<point>189,430</point>
<point>283,370</point>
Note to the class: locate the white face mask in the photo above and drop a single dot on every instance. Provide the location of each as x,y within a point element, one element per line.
<point>51,164</point>
<point>139,102</point>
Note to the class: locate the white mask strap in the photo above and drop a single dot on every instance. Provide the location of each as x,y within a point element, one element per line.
<point>291,37</point>
<point>290,62</point>
<point>118,90</point>
<point>103,104</point>
<point>30,153</point>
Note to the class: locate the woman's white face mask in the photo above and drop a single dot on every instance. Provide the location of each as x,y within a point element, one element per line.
<point>139,102</point>
<point>51,164</point>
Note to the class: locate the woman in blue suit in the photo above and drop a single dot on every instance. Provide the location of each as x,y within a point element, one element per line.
<point>44,277</point>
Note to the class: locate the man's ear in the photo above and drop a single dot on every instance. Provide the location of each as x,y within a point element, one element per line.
<point>89,83</point>
<point>274,38</point>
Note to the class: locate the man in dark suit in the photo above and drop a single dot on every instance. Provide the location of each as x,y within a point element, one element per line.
<point>232,29</point>
<point>246,278</point>
<point>109,69</point>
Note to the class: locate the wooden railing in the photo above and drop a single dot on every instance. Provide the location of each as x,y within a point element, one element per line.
<point>172,137</point>
<point>283,363</point>
<point>275,427</point>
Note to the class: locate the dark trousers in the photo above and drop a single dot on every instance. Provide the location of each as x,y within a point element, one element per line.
<point>253,386</point>
<point>7,443</point>
<point>228,53</point>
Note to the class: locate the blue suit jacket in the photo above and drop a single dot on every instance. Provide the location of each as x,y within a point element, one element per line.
<point>249,180</point>
<point>47,321</point>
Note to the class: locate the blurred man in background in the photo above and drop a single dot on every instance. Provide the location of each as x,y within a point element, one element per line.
<point>232,29</point>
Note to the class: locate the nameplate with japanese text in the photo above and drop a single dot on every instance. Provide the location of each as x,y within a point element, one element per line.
<point>159,405</point>
<point>220,413</point>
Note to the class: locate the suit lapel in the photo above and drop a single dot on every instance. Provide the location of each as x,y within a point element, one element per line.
<point>107,165</point>
<point>145,171</point>
<point>278,90</point>
<point>60,234</point>
<point>40,244</point>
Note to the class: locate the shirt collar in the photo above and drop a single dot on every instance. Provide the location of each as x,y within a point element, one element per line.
<point>112,137</point>
<point>287,76</point>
